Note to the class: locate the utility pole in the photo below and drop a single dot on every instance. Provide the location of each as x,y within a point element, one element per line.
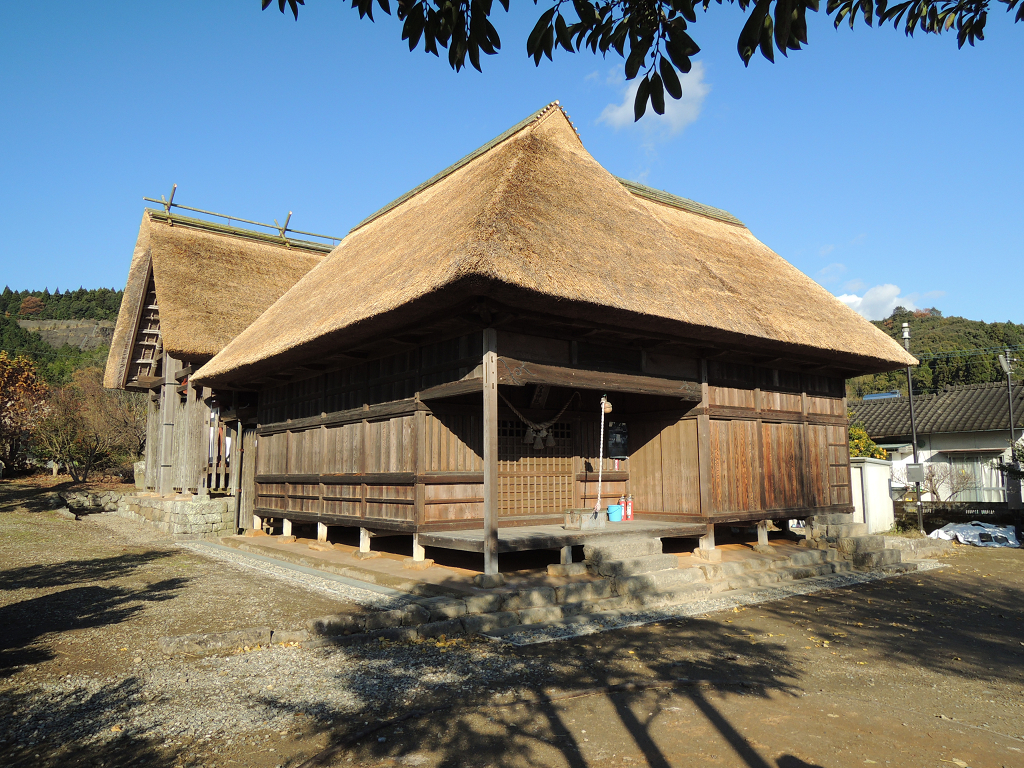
<point>913,425</point>
<point>1013,496</point>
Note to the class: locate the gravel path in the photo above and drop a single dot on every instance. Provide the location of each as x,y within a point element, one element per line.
<point>370,596</point>
<point>703,608</point>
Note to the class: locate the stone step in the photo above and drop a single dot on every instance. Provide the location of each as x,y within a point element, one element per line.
<point>898,568</point>
<point>918,548</point>
<point>621,549</point>
<point>683,594</point>
<point>875,559</point>
<point>846,530</point>
<point>717,571</point>
<point>634,565</point>
<point>809,557</point>
<point>658,581</point>
<point>853,544</point>
<point>924,553</point>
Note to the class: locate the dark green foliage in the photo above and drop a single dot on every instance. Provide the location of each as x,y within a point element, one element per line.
<point>54,365</point>
<point>92,304</point>
<point>931,333</point>
<point>652,36</point>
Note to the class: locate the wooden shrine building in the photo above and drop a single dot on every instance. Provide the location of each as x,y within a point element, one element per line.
<point>194,285</point>
<point>442,368</point>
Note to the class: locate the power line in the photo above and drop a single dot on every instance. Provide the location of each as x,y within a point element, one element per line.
<point>970,352</point>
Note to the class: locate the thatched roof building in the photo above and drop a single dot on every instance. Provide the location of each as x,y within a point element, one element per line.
<point>193,286</point>
<point>531,220</point>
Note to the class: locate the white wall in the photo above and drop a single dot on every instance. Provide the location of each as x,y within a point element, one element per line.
<point>872,503</point>
<point>931,449</point>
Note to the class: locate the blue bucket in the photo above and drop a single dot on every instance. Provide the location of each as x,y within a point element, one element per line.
<point>614,513</point>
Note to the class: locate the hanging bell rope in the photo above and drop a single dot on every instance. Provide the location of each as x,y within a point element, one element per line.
<point>606,408</point>
<point>537,432</point>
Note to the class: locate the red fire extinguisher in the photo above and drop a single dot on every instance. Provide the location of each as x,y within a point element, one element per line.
<point>627,513</point>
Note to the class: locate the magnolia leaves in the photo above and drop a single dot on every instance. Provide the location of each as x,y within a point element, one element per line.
<point>651,35</point>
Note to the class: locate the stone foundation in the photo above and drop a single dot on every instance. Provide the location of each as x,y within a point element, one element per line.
<point>182,518</point>
<point>92,501</point>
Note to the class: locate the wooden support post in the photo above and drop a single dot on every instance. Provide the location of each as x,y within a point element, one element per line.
<point>762,538</point>
<point>286,527</point>
<point>419,553</point>
<point>706,547</point>
<point>490,415</point>
<point>762,532</point>
<point>565,555</point>
<point>364,540</point>
<point>321,531</point>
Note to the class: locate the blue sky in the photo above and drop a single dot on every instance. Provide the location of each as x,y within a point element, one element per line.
<point>888,169</point>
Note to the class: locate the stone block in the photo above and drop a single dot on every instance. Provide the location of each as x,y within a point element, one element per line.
<point>577,591</point>
<point>441,608</point>
<point>708,555</point>
<point>367,555</point>
<point>853,544</point>
<point>448,628</point>
<point>384,619</point>
<point>637,565</point>
<point>567,569</point>
<point>488,622</point>
<point>621,603</point>
<point>290,636</point>
<point>489,580</point>
<point>337,624</point>
<point>283,539</point>
<point>659,581</point>
<point>529,598</point>
<point>415,615</point>
<point>621,549</point>
<point>206,643</point>
<point>483,603</point>
<point>875,559</point>
<point>417,565</point>
<point>540,615</point>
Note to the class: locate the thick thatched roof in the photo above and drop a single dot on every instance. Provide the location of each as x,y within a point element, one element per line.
<point>211,282</point>
<point>533,220</point>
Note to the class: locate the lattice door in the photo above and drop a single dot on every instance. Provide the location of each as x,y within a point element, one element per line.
<point>534,481</point>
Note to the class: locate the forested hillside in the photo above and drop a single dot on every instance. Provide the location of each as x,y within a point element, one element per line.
<point>54,364</point>
<point>82,304</point>
<point>930,332</point>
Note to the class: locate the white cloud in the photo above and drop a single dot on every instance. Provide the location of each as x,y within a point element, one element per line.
<point>825,250</point>
<point>679,113</point>
<point>877,302</point>
<point>831,273</point>
<point>852,286</point>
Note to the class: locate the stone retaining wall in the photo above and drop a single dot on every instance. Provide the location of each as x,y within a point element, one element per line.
<point>183,519</point>
<point>94,501</point>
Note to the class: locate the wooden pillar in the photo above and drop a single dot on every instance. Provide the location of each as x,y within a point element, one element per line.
<point>167,397</point>
<point>762,533</point>
<point>419,553</point>
<point>364,540</point>
<point>490,366</point>
<point>321,531</point>
<point>286,527</point>
<point>704,444</point>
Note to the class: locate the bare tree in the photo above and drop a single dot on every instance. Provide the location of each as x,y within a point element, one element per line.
<point>946,477</point>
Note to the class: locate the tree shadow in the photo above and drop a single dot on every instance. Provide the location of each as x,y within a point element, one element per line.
<point>28,621</point>
<point>43,727</point>
<point>47,575</point>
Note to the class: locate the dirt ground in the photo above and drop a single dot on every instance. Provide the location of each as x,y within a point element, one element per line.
<point>918,670</point>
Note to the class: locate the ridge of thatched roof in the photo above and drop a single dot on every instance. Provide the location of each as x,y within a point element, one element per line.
<point>212,281</point>
<point>534,220</point>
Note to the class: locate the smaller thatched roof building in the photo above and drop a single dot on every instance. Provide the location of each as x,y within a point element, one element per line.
<point>531,220</point>
<point>193,286</point>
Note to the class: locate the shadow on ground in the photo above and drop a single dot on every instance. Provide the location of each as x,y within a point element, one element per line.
<point>94,729</point>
